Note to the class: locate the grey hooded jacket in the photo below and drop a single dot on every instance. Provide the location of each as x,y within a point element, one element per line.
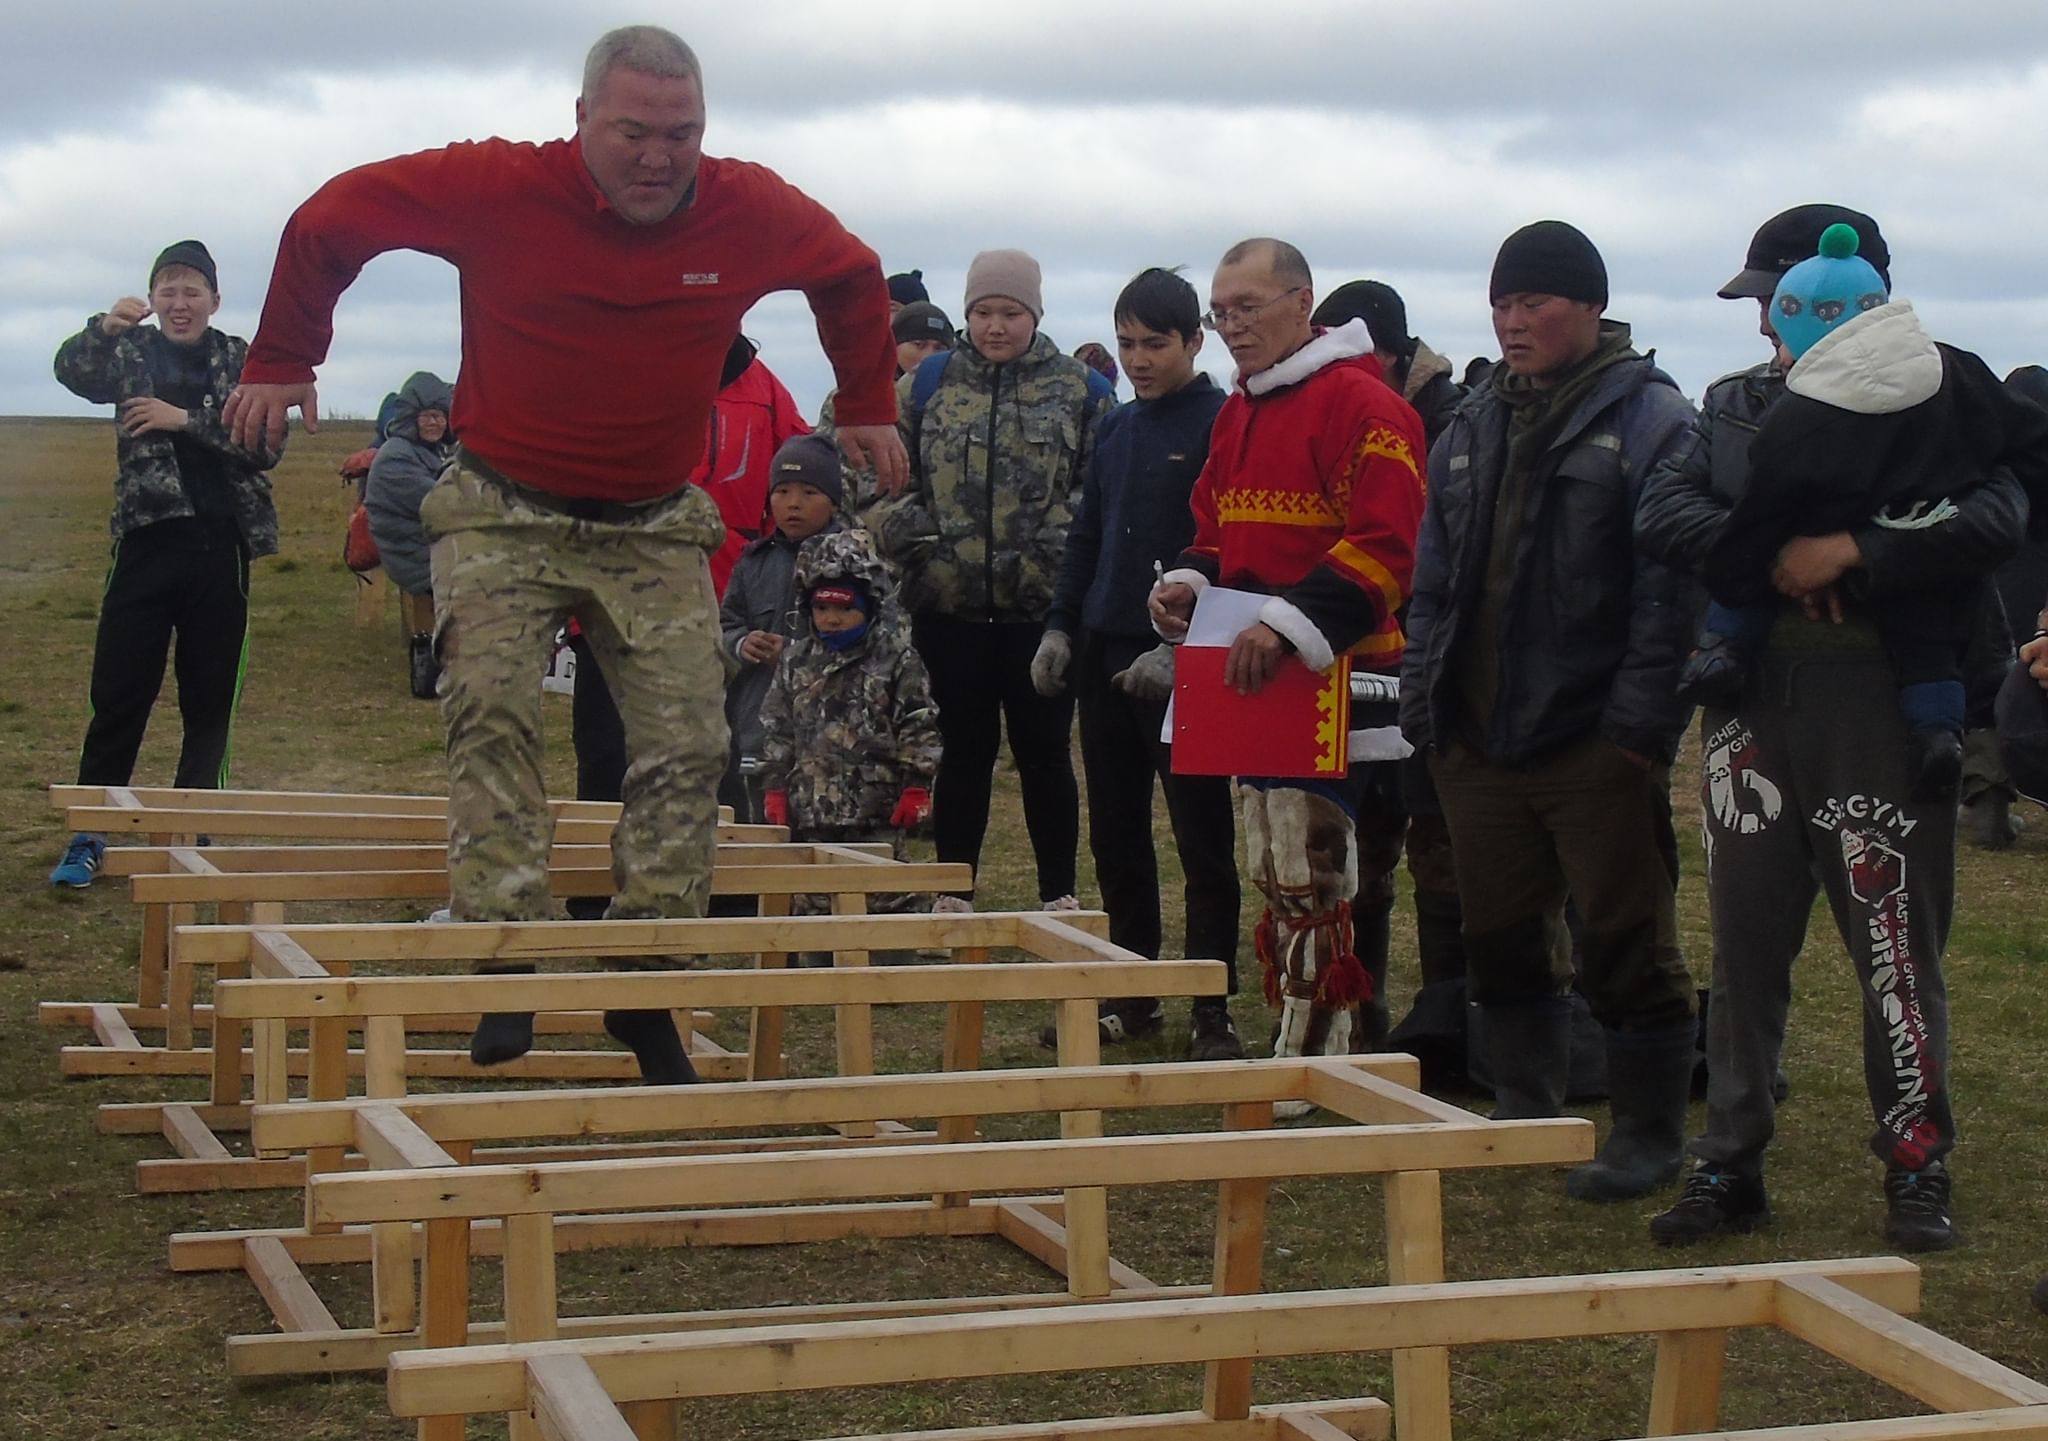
<point>404,471</point>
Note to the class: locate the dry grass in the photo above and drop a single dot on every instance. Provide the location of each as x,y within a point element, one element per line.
<point>97,1338</point>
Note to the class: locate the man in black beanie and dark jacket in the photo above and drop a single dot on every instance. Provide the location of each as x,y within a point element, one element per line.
<point>1542,655</point>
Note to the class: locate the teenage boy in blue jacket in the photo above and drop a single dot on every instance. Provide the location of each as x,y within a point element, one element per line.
<point>1134,514</point>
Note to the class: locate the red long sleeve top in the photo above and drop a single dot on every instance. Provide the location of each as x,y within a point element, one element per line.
<point>591,347</point>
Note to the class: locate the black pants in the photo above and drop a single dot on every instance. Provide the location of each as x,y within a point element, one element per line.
<point>182,577</point>
<point>981,679</point>
<point>1120,754</point>
<point>1804,790</point>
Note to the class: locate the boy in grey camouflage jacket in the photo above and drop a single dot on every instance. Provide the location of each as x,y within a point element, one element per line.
<point>850,737</point>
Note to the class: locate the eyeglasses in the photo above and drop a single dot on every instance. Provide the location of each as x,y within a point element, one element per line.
<point>1227,315</point>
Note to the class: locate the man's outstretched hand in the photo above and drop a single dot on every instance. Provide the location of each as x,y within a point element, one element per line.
<point>256,415</point>
<point>880,447</point>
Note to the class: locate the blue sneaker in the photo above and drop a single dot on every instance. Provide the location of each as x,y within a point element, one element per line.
<point>81,861</point>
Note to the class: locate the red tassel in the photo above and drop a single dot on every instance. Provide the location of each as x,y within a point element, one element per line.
<point>1265,948</point>
<point>1342,980</point>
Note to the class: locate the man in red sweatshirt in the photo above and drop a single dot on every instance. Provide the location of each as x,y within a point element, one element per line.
<point>604,278</point>
<point>1312,493</point>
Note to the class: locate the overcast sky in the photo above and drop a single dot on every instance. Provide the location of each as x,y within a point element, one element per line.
<point>1401,141</point>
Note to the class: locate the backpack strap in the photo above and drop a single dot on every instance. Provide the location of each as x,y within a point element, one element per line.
<point>924,384</point>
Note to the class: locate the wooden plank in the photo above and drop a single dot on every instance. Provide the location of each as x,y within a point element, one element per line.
<point>390,1140</point>
<point>444,1063</point>
<point>1376,1101</point>
<point>648,1230</point>
<point>384,1059</point>
<point>430,882</point>
<point>960,1050</point>
<point>113,1029</point>
<point>1087,1210</point>
<point>190,1137</point>
<point>650,1420</point>
<point>1415,1256</point>
<point>853,1024</point>
<point>180,982</point>
<point>1686,1392</point>
<point>850,983</point>
<point>153,959</point>
<point>144,1118</point>
<point>766,1105</point>
<point>394,1284</point>
<point>1113,1335</point>
<point>364,1350</point>
<point>1239,1264</point>
<point>444,1288</point>
<point>1356,1419</point>
<point>335,825</point>
<point>1904,1355</point>
<point>225,1063</point>
<point>1073,1162</point>
<point>1054,939</point>
<point>540,940</point>
<point>2023,1424</point>
<point>529,1278</point>
<point>567,1403</point>
<point>284,1287</point>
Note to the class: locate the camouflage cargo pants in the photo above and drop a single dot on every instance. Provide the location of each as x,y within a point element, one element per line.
<point>509,567</point>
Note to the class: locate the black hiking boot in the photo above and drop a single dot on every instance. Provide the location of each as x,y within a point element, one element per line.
<point>1714,674</point>
<point>1714,1203</point>
<point>655,1044</point>
<point>1214,1037</point>
<point>502,1036</point>
<point>1528,1050</point>
<point>1117,1022</point>
<point>1916,1209</point>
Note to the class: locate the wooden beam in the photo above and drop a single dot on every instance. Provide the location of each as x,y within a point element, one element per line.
<point>1081,1162</point>
<point>1114,1335</point>
<point>567,1402</point>
<point>1240,1257</point>
<point>367,1350</point>
<point>2022,1424</point>
<point>1685,1394</point>
<point>570,940</point>
<point>765,1105</point>
<point>284,1287</point>
<point>323,995</point>
<point>1415,1256</point>
<point>1908,1357</point>
<point>430,882</point>
<point>1376,1100</point>
<point>391,1141</point>
<point>191,1137</point>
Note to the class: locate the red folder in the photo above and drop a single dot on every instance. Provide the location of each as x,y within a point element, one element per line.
<point>1298,725</point>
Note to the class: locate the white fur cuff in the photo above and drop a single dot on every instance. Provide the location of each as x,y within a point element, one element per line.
<point>1308,642</point>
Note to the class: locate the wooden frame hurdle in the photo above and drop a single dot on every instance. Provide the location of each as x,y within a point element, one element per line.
<point>527,1212</point>
<point>170,899</point>
<point>315,964</point>
<point>618,1389</point>
<point>286,997</point>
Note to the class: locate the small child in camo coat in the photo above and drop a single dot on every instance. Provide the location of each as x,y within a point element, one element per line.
<point>850,737</point>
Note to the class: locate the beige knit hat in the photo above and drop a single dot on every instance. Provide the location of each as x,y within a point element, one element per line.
<point>1009,273</point>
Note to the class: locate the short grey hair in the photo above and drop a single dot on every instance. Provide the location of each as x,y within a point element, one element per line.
<point>647,49</point>
<point>1288,265</point>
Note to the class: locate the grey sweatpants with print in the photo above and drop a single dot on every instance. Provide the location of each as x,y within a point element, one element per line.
<point>1804,786</point>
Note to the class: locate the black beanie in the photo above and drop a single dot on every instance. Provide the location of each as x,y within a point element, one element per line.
<point>1549,258</point>
<point>188,253</point>
<point>812,460</point>
<point>907,287</point>
<point>1377,304</point>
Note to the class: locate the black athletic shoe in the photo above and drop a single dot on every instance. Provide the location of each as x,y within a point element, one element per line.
<point>1934,762</point>
<point>1714,1203</point>
<point>1714,673</point>
<point>1916,1209</point>
<point>1115,1023</point>
<point>1214,1037</point>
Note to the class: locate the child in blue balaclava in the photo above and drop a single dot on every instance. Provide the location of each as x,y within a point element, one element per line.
<point>1879,428</point>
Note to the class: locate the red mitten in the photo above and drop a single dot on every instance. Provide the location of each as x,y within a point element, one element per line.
<point>775,808</point>
<point>913,808</point>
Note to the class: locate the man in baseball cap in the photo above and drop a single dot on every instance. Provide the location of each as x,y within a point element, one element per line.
<point>1806,792</point>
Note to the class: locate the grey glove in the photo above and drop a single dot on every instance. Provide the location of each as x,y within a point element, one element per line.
<point>1149,677</point>
<point>1049,666</point>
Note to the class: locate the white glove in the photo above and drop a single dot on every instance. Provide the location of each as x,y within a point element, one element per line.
<point>1049,666</point>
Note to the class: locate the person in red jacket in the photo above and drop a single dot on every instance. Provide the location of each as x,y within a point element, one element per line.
<point>603,280</point>
<point>1312,494</point>
<point>753,414</point>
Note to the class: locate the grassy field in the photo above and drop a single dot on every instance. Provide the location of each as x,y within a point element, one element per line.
<point>97,1338</point>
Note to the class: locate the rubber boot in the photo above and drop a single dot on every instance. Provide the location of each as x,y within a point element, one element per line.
<point>656,1046</point>
<point>502,1036</point>
<point>1649,1078</point>
<point>1439,936</point>
<point>424,666</point>
<point>1528,1048</point>
<point>1371,938</point>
